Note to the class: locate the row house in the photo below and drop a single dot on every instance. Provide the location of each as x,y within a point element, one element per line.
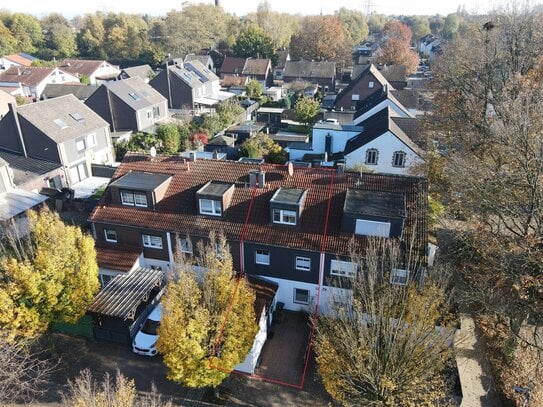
<point>293,227</point>
<point>97,71</point>
<point>33,79</point>
<point>259,69</point>
<point>61,130</point>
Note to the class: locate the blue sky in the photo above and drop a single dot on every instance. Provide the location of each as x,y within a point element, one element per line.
<point>240,7</point>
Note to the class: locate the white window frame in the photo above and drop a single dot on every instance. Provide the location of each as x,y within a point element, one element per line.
<point>80,145</point>
<point>283,213</point>
<point>296,301</point>
<point>106,231</point>
<point>185,246</point>
<point>126,194</point>
<point>343,268</point>
<point>373,151</point>
<point>140,199</point>
<point>371,84</point>
<point>399,277</point>
<point>90,140</point>
<point>397,154</point>
<point>355,96</point>
<point>262,257</point>
<point>300,263</point>
<point>216,207</point>
<point>153,242</point>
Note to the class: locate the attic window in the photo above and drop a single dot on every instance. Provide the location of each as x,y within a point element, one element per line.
<point>370,84</point>
<point>145,93</point>
<point>77,117</point>
<point>134,96</point>
<point>26,72</point>
<point>60,123</point>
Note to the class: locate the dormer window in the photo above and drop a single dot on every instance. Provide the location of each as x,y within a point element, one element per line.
<point>284,216</point>
<point>210,207</point>
<point>131,198</point>
<point>214,198</point>
<point>286,206</point>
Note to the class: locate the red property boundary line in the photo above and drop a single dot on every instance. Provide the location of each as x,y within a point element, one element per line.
<point>241,275</point>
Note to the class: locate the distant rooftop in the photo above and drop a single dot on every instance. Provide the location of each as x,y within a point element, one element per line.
<point>215,188</point>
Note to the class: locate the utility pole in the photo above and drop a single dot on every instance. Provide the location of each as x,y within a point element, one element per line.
<point>368,8</point>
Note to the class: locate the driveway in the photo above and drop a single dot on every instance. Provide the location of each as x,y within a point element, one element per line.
<point>76,354</point>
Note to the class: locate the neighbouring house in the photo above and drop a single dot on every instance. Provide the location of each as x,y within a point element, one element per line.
<point>244,131</point>
<point>80,91</point>
<point>293,227</point>
<point>129,104</point>
<point>377,102</point>
<point>396,75</point>
<point>61,130</point>
<point>367,82</point>
<point>259,69</point>
<point>190,86</point>
<point>427,44</point>
<point>205,60</point>
<point>271,116</point>
<point>382,146</point>
<point>144,72</point>
<point>321,73</point>
<point>20,60</point>
<point>97,71</point>
<point>235,84</point>
<point>376,143</point>
<point>14,201</point>
<point>224,144</point>
<point>5,100</point>
<point>12,88</point>
<point>33,79</point>
<point>282,57</point>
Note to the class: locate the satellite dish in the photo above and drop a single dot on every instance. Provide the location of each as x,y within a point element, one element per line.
<point>152,151</point>
<point>290,169</point>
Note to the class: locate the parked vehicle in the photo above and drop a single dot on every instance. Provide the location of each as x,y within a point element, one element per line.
<point>144,342</point>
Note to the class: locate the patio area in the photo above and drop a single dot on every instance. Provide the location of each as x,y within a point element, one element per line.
<point>89,186</point>
<point>283,355</point>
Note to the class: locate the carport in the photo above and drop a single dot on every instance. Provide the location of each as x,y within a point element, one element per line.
<point>120,307</point>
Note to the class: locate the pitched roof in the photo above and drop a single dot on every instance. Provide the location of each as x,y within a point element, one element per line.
<point>203,59</point>
<point>25,168</point>
<point>256,66</point>
<point>5,100</point>
<point>177,211</point>
<point>55,118</point>
<point>233,65</point>
<point>201,71</point>
<point>29,76</point>
<point>394,73</point>
<point>412,127</point>
<point>19,59</point>
<point>80,91</point>
<point>135,92</point>
<point>310,69</point>
<point>190,78</point>
<point>81,66</point>
<point>409,98</point>
<point>282,57</point>
<point>370,69</point>
<point>231,80</point>
<point>374,100</point>
<point>375,126</point>
<point>141,70</point>
<point>116,257</point>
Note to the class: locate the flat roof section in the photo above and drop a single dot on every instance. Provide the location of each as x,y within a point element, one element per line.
<point>144,181</point>
<point>215,188</point>
<point>375,203</point>
<point>289,196</point>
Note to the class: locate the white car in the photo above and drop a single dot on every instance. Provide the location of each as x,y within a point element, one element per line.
<point>144,342</point>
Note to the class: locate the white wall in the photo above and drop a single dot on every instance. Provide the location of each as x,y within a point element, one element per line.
<point>249,364</point>
<point>106,70</point>
<point>386,144</point>
<point>318,143</point>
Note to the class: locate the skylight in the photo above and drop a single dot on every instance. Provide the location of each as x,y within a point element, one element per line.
<point>60,123</point>
<point>134,95</point>
<point>77,117</point>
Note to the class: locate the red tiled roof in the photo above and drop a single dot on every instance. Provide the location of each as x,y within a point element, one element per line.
<point>231,80</point>
<point>30,76</point>
<point>177,211</point>
<point>80,66</point>
<point>115,257</point>
<point>19,59</point>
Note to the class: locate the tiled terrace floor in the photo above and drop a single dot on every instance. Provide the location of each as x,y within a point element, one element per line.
<point>282,357</point>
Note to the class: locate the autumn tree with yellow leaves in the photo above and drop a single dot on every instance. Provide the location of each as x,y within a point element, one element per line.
<point>208,324</point>
<point>49,274</point>
<point>379,344</point>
